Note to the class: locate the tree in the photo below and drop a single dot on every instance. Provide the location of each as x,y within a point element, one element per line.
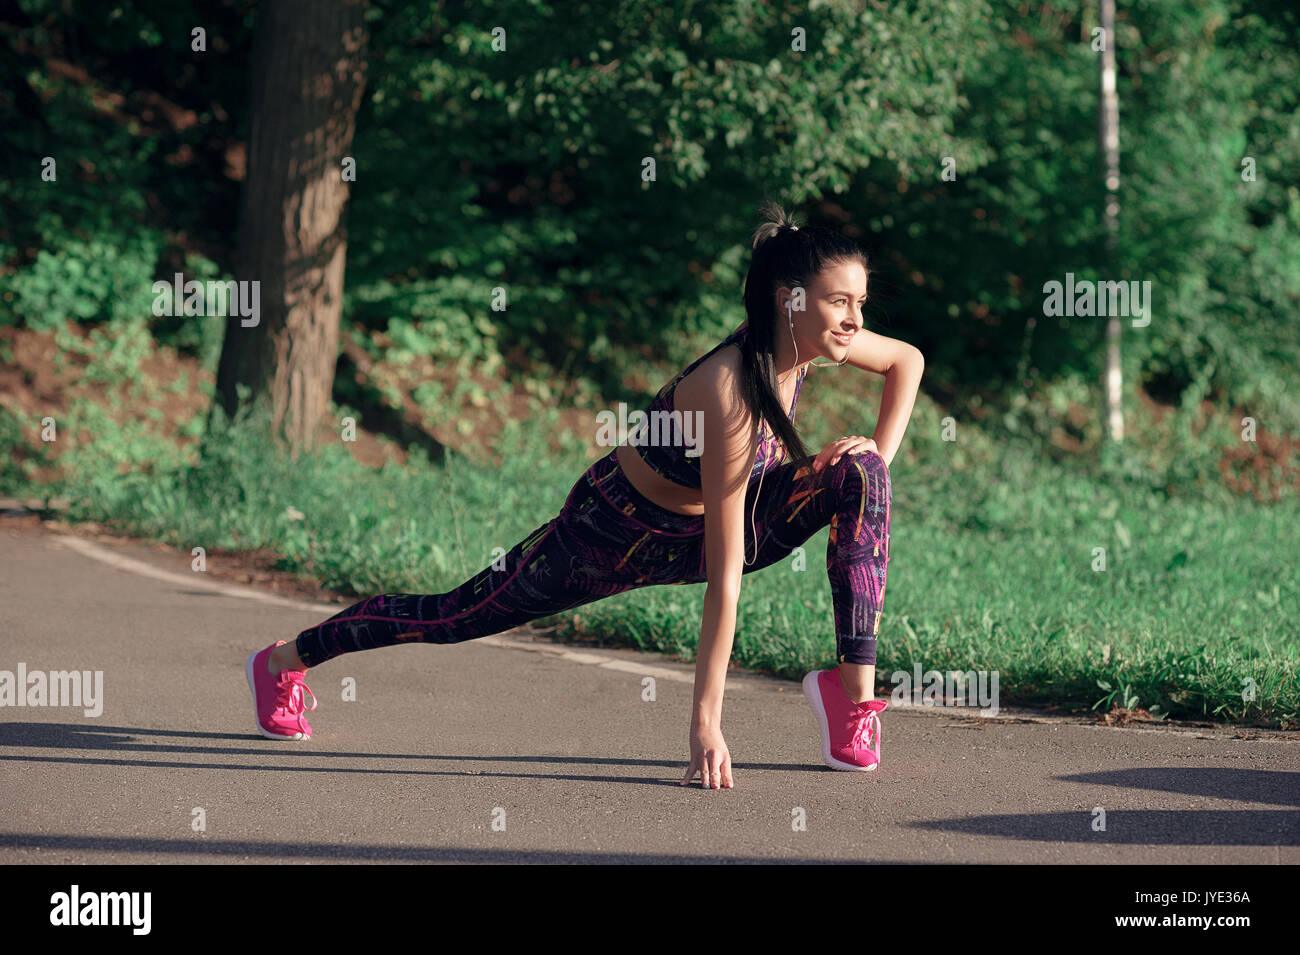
<point>309,71</point>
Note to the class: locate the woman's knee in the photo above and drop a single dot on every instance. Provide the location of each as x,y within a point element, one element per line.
<point>874,455</point>
<point>866,461</point>
<point>869,470</point>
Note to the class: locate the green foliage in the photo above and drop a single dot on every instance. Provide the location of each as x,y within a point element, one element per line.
<point>537,156</point>
<point>138,127</point>
<point>516,177</point>
<point>20,455</point>
<point>198,335</point>
<point>101,441</point>
<point>1202,86</point>
<point>112,358</point>
<point>86,280</point>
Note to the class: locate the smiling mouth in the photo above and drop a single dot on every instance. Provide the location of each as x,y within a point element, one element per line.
<point>843,339</point>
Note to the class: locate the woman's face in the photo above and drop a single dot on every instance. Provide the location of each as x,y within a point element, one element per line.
<point>832,311</point>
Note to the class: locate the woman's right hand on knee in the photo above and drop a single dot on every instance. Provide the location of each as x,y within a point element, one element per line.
<point>710,758</point>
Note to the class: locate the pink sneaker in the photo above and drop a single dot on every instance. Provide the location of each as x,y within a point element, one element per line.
<point>277,700</point>
<point>849,729</point>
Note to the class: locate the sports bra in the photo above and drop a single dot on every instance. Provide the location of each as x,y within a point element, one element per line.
<point>664,445</point>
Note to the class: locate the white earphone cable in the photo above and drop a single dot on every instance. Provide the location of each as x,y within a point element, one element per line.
<point>753,529</point>
<point>789,311</point>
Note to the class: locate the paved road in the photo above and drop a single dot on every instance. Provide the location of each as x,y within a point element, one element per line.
<point>442,741</point>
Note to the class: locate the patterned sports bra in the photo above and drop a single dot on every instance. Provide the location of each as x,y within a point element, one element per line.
<point>665,437</point>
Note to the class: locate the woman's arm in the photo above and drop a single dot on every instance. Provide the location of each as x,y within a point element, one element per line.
<point>728,454</point>
<point>902,365</point>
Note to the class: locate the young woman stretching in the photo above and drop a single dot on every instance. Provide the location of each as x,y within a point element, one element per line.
<point>696,505</point>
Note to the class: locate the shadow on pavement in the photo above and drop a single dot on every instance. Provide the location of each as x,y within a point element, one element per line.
<point>1188,827</point>
<point>1247,785</point>
<point>1138,827</point>
<point>202,846</point>
<point>124,739</point>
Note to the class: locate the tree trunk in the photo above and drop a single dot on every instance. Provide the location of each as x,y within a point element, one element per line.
<point>308,75</point>
<point>1108,147</point>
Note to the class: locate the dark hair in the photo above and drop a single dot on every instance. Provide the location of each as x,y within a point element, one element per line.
<point>783,255</point>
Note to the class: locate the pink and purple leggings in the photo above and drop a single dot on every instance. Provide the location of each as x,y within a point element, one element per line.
<point>608,538</point>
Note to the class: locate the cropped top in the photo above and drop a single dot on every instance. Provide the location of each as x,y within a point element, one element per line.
<point>665,436</point>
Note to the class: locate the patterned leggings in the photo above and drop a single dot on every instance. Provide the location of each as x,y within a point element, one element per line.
<point>608,538</point>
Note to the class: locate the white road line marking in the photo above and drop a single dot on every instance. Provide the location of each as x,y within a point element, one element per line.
<point>129,564</point>
<point>595,659</point>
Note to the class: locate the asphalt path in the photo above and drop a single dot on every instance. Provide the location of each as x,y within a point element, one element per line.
<point>516,749</point>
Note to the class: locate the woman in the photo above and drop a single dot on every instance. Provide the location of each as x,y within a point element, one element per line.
<point>695,505</point>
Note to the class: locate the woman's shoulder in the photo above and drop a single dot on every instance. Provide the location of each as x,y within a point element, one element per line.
<point>665,393</point>
<point>717,373</point>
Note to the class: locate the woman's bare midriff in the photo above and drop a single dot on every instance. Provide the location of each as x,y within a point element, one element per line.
<point>654,486</point>
<point>657,488</point>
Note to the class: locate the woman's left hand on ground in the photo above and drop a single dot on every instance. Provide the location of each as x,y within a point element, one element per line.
<point>841,446</point>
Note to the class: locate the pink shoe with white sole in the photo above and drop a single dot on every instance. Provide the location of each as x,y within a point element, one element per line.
<point>278,702</point>
<point>850,731</point>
